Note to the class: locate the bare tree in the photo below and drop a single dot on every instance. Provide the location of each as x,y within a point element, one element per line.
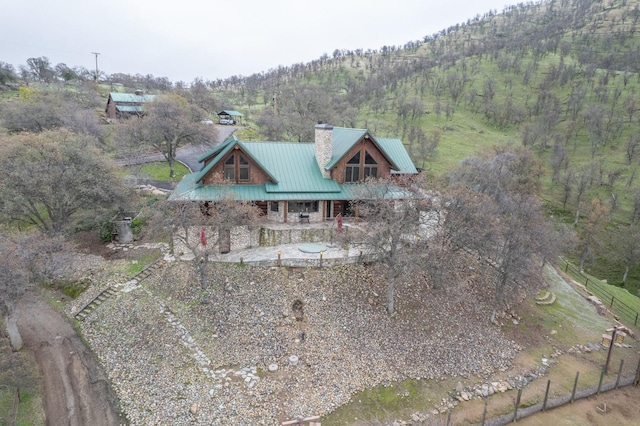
<point>518,236</point>
<point>590,242</point>
<point>51,178</point>
<point>395,218</point>
<point>626,247</point>
<point>14,280</point>
<point>204,229</point>
<point>170,122</point>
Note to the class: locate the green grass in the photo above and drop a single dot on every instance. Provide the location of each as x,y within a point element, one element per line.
<point>157,171</point>
<point>605,292</point>
<point>384,403</point>
<point>141,262</point>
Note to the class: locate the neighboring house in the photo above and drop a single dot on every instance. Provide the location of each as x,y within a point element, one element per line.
<point>291,181</point>
<point>229,117</point>
<point>124,105</point>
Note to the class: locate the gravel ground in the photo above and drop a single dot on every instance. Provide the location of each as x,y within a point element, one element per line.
<point>163,370</point>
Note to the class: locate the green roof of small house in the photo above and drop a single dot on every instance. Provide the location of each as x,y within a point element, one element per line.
<point>231,113</point>
<point>131,97</point>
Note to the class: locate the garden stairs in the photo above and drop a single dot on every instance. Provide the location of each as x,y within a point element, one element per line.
<point>111,291</point>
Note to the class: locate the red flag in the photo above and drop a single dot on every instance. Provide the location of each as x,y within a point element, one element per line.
<point>203,237</point>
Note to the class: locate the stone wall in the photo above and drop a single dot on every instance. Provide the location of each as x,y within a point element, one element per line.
<point>268,237</point>
<point>242,238</point>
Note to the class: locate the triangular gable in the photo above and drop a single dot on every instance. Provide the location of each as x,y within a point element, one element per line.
<point>344,139</point>
<point>226,147</point>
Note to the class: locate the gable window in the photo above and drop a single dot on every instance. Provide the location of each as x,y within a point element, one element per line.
<point>360,167</point>
<point>236,168</point>
<point>352,171</point>
<point>370,166</point>
<point>243,169</point>
<point>230,168</point>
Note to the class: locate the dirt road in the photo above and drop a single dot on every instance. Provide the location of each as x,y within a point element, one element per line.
<point>76,391</point>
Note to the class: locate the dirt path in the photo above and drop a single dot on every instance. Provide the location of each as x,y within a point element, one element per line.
<point>75,389</point>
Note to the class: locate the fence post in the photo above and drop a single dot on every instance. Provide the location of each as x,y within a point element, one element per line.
<point>484,412</point>
<point>637,380</point>
<point>619,372</point>
<point>546,395</point>
<point>515,411</point>
<point>575,385</point>
<point>604,368</point>
<point>612,297</point>
<point>566,268</point>
<point>636,321</point>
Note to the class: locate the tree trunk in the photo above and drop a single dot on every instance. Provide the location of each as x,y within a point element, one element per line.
<point>172,172</point>
<point>390,290</point>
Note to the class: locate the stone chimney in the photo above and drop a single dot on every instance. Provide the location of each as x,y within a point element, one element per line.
<point>323,141</point>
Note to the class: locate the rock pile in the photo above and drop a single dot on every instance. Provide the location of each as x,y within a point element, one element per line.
<point>171,346</point>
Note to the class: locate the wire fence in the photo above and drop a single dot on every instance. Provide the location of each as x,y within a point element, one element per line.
<point>521,410</point>
<point>620,308</point>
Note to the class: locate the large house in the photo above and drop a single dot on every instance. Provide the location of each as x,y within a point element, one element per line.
<point>123,105</point>
<point>293,181</point>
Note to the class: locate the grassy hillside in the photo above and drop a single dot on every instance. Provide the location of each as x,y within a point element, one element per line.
<point>560,77</point>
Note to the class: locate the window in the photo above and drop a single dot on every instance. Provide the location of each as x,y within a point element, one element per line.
<point>302,206</point>
<point>354,165</point>
<point>230,168</point>
<point>274,206</point>
<point>352,171</point>
<point>236,168</point>
<point>370,166</point>
<point>243,169</point>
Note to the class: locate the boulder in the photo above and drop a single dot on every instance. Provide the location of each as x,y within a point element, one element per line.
<point>14,335</point>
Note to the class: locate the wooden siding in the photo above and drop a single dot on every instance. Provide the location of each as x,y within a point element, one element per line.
<point>384,167</point>
<point>256,174</point>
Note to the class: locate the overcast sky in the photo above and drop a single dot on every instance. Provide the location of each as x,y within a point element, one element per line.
<point>213,39</point>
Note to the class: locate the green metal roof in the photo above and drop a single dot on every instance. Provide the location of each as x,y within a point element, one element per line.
<point>292,169</point>
<point>189,190</point>
<point>232,113</point>
<point>223,149</point>
<point>394,148</point>
<point>293,165</point>
<point>217,149</point>
<point>342,141</point>
<point>131,97</point>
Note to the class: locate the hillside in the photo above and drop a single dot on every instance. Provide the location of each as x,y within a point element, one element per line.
<point>559,77</point>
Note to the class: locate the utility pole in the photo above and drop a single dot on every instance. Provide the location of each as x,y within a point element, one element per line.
<point>96,53</point>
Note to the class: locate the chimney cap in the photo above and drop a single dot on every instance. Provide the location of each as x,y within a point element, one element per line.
<point>324,126</point>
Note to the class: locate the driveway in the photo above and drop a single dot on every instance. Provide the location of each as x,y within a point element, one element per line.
<point>188,155</point>
<point>76,391</point>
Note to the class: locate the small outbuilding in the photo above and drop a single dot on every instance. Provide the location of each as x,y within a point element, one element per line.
<point>229,117</point>
<point>124,105</point>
